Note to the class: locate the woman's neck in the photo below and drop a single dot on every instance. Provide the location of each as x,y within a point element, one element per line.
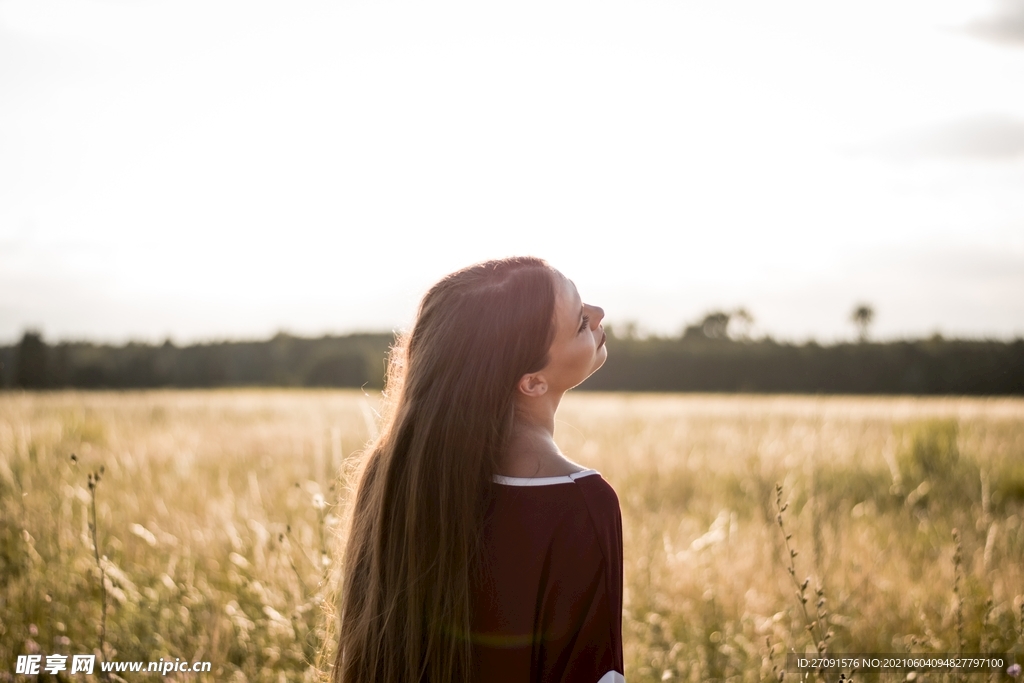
<point>532,451</point>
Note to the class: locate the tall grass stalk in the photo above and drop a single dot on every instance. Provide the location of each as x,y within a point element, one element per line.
<point>958,608</point>
<point>816,626</point>
<point>93,484</point>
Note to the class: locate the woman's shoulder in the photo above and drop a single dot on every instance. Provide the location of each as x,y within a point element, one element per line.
<point>597,488</point>
<point>567,476</point>
<point>586,491</point>
<point>603,508</point>
<point>575,517</point>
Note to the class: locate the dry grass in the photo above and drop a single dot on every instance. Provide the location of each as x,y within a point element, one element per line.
<point>212,535</point>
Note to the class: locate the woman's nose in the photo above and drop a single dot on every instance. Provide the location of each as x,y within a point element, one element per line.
<point>596,315</point>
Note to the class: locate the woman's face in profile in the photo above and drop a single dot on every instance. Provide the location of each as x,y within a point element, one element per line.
<point>578,348</point>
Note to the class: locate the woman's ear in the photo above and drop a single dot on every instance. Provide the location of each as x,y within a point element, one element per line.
<point>533,385</point>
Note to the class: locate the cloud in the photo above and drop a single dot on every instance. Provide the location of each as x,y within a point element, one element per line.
<point>1005,25</point>
<point>991,137</point>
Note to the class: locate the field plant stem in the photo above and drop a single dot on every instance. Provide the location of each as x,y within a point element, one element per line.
<point>291,562</point>
<point>94,480</point>
<point>777,673</point>
<point>302,584</point>
<point>816,626</point>
<point>958,602</point>
<point>322,528</point>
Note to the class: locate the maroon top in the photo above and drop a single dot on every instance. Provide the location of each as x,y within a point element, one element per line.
<point>548,602</point>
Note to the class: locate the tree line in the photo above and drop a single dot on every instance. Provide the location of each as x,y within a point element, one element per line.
<point>284,360</point>
<point>703,358</point>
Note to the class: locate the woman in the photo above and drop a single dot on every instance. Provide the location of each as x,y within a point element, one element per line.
<point>477,551</point>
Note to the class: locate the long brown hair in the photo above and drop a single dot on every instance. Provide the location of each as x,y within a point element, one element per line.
<point>410,555</point>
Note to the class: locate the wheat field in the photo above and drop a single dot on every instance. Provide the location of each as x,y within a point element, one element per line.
<point>217,513</point>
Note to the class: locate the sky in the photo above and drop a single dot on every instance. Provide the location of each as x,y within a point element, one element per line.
<point>228,169</point>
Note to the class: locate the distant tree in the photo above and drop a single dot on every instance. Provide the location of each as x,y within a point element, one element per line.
<point>863,315</point>
<point>31,362</point>
<point>744,320</point>
<point>715,325</point>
